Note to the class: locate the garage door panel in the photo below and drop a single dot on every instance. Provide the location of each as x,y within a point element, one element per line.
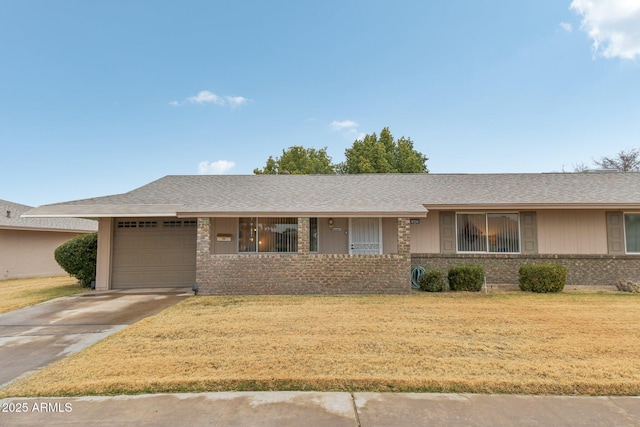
<point>175,240</point>
<point>138,240</point>
<point>148,254</point>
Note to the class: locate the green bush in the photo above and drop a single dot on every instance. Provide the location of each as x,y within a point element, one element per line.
<point>542,278</point>
<point>432,281</point>
<point>78,257</point>
<point>466,278</point>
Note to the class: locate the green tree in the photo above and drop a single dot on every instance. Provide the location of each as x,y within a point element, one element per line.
<point>299,160</point>
<point>383,154</point>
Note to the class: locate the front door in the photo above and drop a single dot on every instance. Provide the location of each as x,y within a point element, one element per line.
<point>365,236</point>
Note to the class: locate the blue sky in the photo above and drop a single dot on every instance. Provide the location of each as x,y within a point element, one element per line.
<point>99,98</point>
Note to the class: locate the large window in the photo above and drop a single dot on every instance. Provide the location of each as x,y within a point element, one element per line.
<point>488,232</point>
<point>268,234</point>
<point>632,232</point>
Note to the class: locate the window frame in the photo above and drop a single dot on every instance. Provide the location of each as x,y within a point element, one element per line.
<point>256,243</point>
<point>486,233</point>
<point>624,228</point>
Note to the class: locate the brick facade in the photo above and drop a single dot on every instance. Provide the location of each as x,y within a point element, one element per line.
<point>503,269</point>
<point>303,272</point>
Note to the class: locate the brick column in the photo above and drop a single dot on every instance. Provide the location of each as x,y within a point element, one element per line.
<point>203,252</point>
<point>303,235</point>
<point>203,248</point>
<point>404,237</point>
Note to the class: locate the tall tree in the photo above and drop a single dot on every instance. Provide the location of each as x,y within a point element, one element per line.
<point>383,154</point>
<point>299,160</point>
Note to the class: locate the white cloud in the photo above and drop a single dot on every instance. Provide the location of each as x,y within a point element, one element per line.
<point>343,125</point>
<point>236,101</point>
<point>613,25</point>
<point>215,168</point>
<point>566,26</point>
<point>207,97</point>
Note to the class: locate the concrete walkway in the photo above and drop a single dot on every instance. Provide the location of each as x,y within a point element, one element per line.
<point>322,409</point>
<point>34,337</point>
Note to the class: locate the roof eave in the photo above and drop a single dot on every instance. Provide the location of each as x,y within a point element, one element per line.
<point>59,230</point>
<point>534,206</point>
<point>103,211</point>
<point>301,214</point>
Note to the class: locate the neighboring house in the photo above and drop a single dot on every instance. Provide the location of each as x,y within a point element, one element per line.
<point>280,234</point>
<point>27,244</point>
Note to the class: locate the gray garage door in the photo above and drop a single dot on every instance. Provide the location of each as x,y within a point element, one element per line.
<point>154,252</point>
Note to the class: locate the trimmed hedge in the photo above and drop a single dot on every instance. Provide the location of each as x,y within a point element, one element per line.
<point>542,278</point>
<point>78,257</point>
<point>432,281</point>
<point>466,278</point>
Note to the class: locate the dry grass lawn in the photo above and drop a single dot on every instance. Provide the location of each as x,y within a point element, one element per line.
<point>452,342</point>
<point>19,293</point>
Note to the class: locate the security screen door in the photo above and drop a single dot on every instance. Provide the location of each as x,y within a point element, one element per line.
<point>365,236</point>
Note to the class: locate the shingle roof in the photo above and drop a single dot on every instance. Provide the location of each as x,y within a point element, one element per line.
<point>10,218</point>
<point>375,194</point>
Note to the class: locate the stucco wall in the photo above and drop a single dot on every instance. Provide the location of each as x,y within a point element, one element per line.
<point>572,232</point>
<point>330,241</point>
<point>30,253</point>
<point>336,240</point>
<point>566,232</point>
<point>425,236</point>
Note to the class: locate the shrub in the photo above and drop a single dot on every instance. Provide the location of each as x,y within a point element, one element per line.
<point>78,257</point>
<point>628,286</point>
<point>542,278</point>
<point>432,281</point>
<point>466,278</point>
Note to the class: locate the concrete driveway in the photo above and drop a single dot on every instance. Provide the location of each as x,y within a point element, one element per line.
<point>33,337</point>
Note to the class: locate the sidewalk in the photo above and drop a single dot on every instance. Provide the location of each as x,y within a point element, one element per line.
<point>322,409</point>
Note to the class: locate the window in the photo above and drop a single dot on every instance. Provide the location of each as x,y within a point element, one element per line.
<point>313,234</point>
<point>179,224</point>
<point>267,234</point>
<point>127,224</point>
<point>632,232</point>
<point>137,224</point>
<point>488,232</point>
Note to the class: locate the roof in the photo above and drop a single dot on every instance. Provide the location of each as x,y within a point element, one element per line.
<point>10,219</point>
<point>363,194</point>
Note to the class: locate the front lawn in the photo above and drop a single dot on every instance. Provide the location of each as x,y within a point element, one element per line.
<point>19,293</point>
<point>452,342</point>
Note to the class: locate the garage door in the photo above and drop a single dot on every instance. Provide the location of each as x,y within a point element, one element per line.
<point>154,253</point>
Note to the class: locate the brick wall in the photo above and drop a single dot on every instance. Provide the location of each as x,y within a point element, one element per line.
<point>303,272</point>
<point>501,269</point>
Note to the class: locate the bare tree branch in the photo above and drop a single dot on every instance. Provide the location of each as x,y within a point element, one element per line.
<point>625,161</point>
<point>580,167</point>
